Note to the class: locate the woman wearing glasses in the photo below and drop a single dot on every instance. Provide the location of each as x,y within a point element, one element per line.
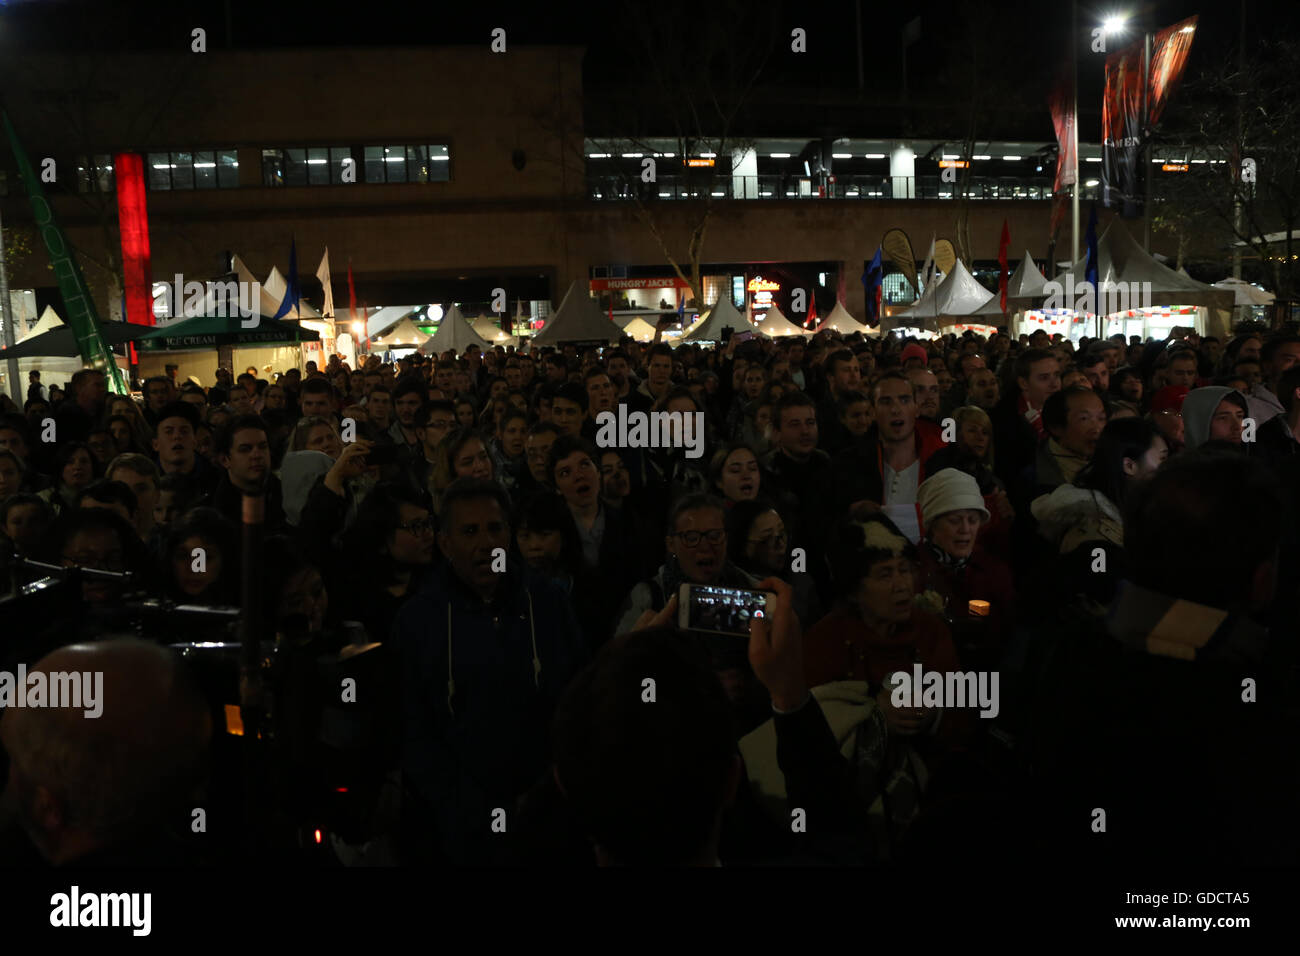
<point>758,544</point>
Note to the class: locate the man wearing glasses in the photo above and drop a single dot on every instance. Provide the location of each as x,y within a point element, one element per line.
<point>697,554</point>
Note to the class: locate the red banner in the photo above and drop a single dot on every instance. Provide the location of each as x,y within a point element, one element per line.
<point>1063,120</point>
<point>1168,58</point>
<point>133,224</point>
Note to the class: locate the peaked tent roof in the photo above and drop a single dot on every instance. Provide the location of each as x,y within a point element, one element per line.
<point>269,304</point>
<point>723,315</point>
<point>1121,260</point>
<point>960,292</point>
<point>48,322</point>
<point>277,286</point>
<point>640,329</point>
<point>489,331</point>
<point>454,332</point>
<point>578,319</point>
<point>841,320</point>
<point>776,324</point>
<point>1245,292</point>
<point>403,334</point>
<point>381,320</point>
<point>1023,285</point>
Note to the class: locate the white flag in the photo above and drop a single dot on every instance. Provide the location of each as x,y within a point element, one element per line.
<point>323,273</point>
<point>929,264</point>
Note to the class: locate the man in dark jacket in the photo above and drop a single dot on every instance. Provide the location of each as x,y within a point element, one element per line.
<point>485,655</point>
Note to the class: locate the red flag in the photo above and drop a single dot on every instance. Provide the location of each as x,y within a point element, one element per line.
<point>812,314</point>
<point>1002,261</point>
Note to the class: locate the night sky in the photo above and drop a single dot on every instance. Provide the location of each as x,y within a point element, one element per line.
<point>1024,44</point>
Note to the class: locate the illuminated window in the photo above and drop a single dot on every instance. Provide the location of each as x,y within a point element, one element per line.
<point>197,169</point>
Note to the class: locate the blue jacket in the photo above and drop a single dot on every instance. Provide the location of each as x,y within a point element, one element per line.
<point>479,684</point>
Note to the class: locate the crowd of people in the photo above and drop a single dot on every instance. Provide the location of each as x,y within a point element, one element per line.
<point>1109,526</point>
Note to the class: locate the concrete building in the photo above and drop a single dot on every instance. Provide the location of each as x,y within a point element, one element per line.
<point>471,173</point>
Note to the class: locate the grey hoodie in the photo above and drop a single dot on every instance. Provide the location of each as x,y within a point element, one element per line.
<point>1198,410</point>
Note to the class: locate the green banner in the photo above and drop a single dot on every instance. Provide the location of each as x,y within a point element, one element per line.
<point>80,307</point>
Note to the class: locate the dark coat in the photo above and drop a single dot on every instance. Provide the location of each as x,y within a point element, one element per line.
<point>477,712</point>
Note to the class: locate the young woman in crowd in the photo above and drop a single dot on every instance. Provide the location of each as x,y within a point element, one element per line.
<point>735,473</point>
<point>75,467</point>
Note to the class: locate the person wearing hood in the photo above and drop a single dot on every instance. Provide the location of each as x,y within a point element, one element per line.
<point>1214,413</point>
<point>485,656</point>
<point>1149,710</point>
<point>973,587</point>
<point>1077,519</point>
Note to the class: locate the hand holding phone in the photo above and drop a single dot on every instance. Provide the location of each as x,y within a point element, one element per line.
<point>720,610</point>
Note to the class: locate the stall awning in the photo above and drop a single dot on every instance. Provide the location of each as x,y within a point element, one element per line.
<point>213,331</point>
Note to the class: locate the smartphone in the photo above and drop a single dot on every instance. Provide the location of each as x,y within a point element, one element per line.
<point>382,455</point>
<point>718,610</point>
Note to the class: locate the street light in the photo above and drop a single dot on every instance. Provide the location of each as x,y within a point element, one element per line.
<point>1115,25</point>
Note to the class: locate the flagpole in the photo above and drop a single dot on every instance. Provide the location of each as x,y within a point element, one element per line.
<point>1074,134</point>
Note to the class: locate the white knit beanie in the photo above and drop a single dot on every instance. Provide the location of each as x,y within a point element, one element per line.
<point>949,490</point>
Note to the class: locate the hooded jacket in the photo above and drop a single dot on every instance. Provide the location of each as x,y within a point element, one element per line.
<point>1198,411</point>
<point>480,681</point>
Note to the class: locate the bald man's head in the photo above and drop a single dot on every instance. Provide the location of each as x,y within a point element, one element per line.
<point>80,783</point>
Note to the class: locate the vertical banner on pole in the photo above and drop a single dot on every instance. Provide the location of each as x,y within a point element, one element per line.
<point>133,224</point>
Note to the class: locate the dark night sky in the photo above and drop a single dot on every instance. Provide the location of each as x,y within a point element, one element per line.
<point>1029,44</point>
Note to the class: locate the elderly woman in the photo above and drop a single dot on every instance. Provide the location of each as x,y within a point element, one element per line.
<point>959,579</point>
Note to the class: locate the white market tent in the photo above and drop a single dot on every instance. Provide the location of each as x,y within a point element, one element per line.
<point>381,320</point>
<point>1245,293</point>
<point>1123,266</point>
<point>959,294</point>
<point>489,331</point>
<point>640,329</point>
<point>578,319</point>
<point>454,333</point>
<point>402,335</point>
<point>776,324</point>
<point>276,285</point>
<point>1024,285</point>
<point>840,320</point>
<point>269,303</point>
<point>723,315</point>
<point>48,322</point>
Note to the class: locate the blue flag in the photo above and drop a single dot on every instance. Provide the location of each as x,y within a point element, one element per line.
<point>874,280</point>
<point>1090,263</point>
<point>291,292</point>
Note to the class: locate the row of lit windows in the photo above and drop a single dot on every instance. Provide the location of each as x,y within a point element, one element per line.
<point>311,166</point>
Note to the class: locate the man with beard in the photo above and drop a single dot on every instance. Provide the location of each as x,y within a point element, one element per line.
<point>843,375</point>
